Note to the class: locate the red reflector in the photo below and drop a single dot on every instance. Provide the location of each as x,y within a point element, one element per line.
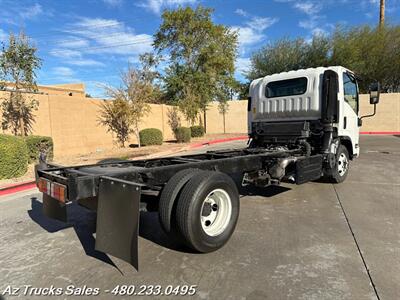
<point>58,191</point>
<point>53,189</point>
<point>43,185</point>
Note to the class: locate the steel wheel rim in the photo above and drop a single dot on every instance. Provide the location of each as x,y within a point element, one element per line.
<point>216,212</point>
<point>343,164</point>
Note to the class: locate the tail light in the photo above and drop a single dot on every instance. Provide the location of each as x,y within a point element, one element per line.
<point>53,189</point>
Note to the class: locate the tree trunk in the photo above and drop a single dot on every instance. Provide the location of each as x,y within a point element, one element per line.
<point>382,14</point>
<point>21,114</point>
<point>137,137</point>
<point>205,121</point>
<point>223,116</point>
<point>21,125</point>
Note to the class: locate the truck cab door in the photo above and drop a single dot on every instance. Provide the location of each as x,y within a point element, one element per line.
<point>349,107</point>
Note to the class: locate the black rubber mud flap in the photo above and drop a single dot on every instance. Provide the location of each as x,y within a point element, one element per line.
<point>54,209</point>
<point>118,219</point>
<point>308,169</point>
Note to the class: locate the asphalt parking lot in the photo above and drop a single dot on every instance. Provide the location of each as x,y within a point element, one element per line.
<point>313,241</point>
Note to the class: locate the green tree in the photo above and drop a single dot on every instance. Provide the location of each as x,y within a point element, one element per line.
<point>151,77</point>
<point>18,65</point>
<point>372,53</point>
<point>123,115</point>
<point>115,116</point>
<point>286,54</point>
<point>201,56</point>
<point>283,55</point>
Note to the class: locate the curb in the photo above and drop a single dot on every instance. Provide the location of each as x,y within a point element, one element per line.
<point>17,187</point>
<point>212,142</point>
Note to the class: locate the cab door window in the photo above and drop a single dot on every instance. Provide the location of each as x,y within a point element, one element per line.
<point>350,91</point>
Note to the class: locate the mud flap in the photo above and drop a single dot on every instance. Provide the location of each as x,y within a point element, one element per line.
<point>118,219</point>
<point>54,209</point>
<point>308,169</point>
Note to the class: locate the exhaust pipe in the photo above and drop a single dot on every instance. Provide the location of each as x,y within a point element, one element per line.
<point>278,170</point>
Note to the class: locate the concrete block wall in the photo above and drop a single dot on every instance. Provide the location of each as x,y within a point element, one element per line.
<point>72,121</point>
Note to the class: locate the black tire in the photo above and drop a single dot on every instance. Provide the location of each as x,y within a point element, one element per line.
<point>338,174</point>
<point>190,206</point>
<point>170,194</point>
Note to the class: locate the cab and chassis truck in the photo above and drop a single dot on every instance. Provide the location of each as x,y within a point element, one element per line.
<point>302,125</point>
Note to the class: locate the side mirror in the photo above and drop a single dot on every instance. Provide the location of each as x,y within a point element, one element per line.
<point>374,91</point>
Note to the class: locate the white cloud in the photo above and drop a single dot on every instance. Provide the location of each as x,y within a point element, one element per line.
<point>113,3</point>
<point>260,24</point>
<point>241,12</point>
<point>374,2</point>
<point>312,9</point>
<point>308,24</point>
<point>156,6</point>
<point>63,72</point>
<point>31,12</point>
<point>73,42</point>
<point>308,7</point>
<point>247,35</point>
<point>96,39</point>
<point>111,36</point>
<point>18,12</point>
<point>85,62</point>
<point>252,32</point>
<point>65,53</point>
<point>242,64</point>
<point>74,57</point>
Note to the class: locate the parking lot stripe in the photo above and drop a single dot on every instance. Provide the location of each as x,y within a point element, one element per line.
<point>357,245</point>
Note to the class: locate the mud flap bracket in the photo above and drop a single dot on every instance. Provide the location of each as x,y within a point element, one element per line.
<point>118,219</point>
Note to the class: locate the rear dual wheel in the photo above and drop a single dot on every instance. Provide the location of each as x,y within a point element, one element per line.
<point>207,210</point>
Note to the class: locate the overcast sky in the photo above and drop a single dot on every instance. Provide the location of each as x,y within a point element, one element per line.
<point>92,41</point>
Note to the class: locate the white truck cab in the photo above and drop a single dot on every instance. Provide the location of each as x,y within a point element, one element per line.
<point>316,107</point>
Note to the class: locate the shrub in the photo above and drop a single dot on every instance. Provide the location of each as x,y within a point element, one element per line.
<point>197,131</point>
<point>150,136</point>
<point>37,144</point>
<point>182,134</point>
<point>13,156</point>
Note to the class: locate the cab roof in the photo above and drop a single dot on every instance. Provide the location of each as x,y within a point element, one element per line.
<point>301,73</point>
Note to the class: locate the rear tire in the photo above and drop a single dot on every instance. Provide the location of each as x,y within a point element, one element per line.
<point>207,211</point>
<point>170,194</point>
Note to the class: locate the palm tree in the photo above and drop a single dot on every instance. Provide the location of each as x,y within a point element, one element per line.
<point>382,14</point>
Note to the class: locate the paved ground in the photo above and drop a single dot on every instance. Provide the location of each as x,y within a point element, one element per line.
<point>314,241</point>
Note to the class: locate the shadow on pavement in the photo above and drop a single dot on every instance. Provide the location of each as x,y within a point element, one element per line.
<point>84,223</point>
<point>150,229</point>
<point>269,191</point>
<point>82,220</point>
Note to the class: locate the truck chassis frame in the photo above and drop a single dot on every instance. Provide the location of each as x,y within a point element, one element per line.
<point>114,189</point>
